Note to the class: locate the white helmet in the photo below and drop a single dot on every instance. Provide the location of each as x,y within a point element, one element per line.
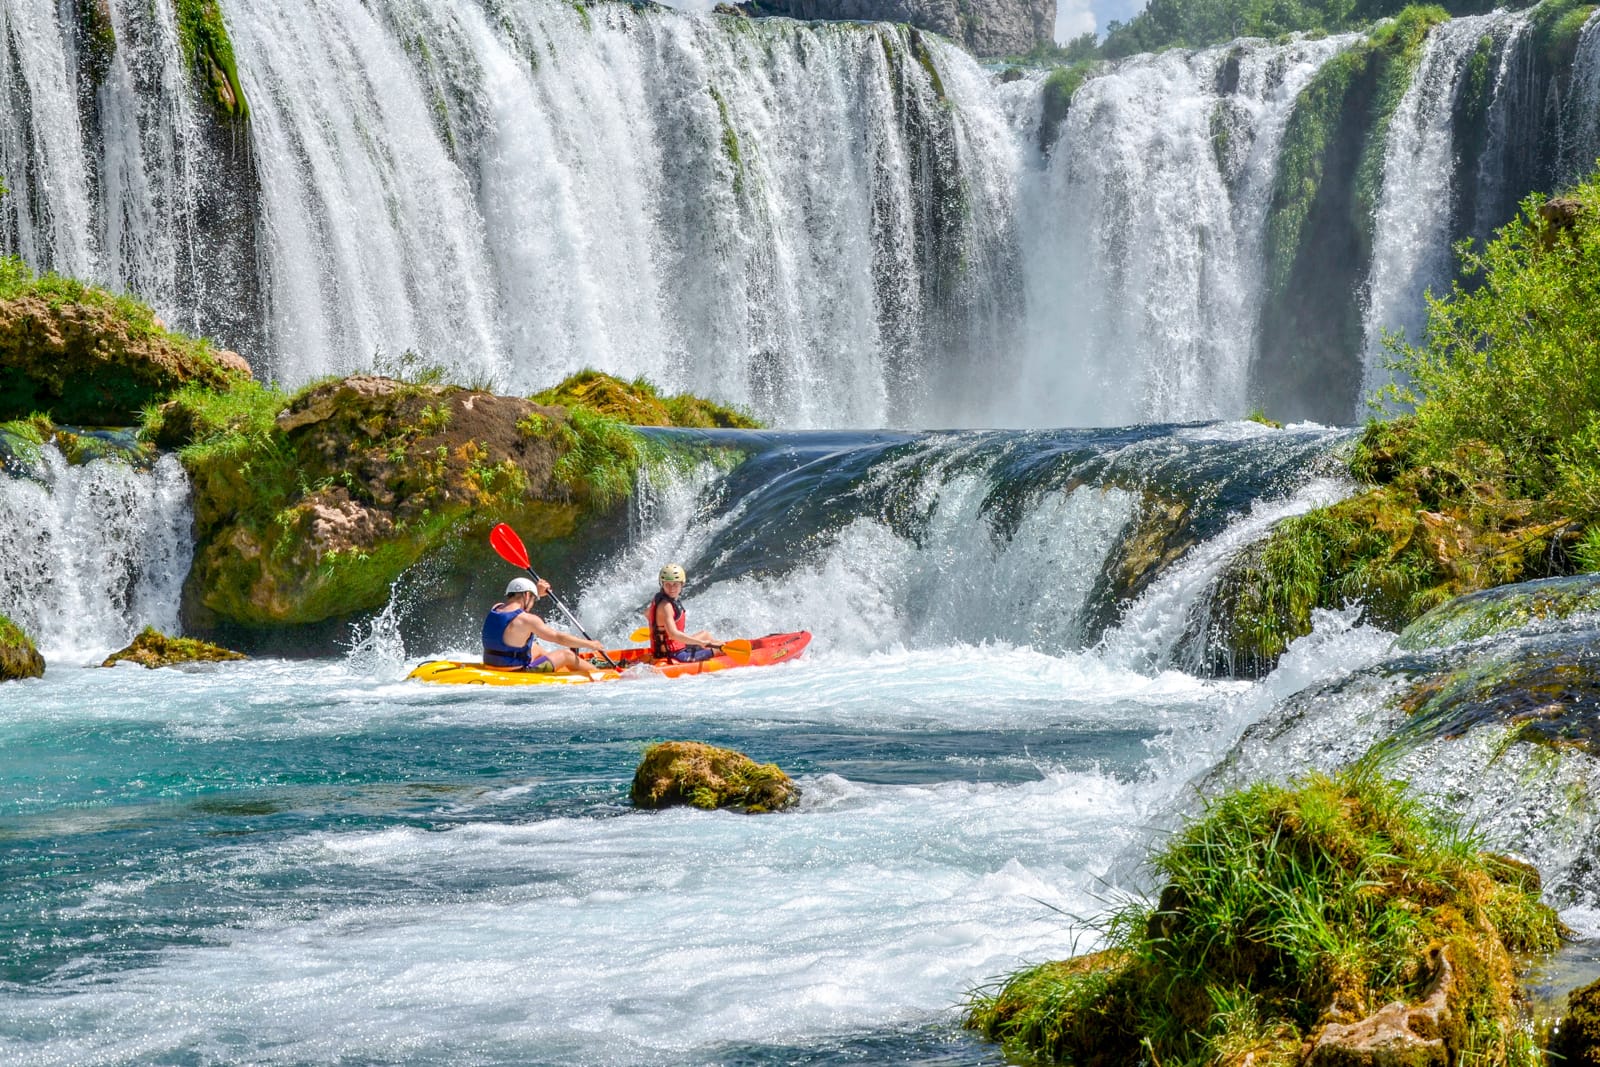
<point>672,572</point>
<point>520,585</point>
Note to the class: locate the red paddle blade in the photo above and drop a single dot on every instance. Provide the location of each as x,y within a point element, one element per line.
<point>509,545</point>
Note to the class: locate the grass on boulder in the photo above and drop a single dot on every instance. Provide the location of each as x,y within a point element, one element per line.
<point>1288,915</point>
<point>18,656</point>
<point>707,777</point>
<point>152,649</point>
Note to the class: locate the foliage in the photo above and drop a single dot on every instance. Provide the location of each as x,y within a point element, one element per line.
<point>1199,23</point>
<point>1494,476</point>
<point>640,403</point>
<point>208,50</point>
<point>1277,903</point>
<point>1507,388</point>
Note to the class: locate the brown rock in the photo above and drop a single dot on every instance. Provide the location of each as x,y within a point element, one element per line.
<point>1396,1035</point>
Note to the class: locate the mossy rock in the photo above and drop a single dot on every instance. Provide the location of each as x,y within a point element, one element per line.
<point>1510,607</point>
<point>1418,540</point>
<point>1330,922</point>
<point>1576,1040</point>
<point>639,403</point>
<point>18,657</point>
<point>84,356</point>
<point>152,649</point>
<point>707,777</point>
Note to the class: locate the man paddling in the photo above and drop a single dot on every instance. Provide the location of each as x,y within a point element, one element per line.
<point>667,637</point>
<point>510,629</point>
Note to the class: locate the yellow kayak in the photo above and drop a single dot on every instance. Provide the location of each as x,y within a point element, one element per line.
<point>757,652</point>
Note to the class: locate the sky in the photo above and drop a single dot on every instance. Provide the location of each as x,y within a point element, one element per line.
<point>1073,17</point>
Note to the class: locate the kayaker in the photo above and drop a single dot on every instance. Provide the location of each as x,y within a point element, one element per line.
<point>667,637</point>
<point>510,629</point>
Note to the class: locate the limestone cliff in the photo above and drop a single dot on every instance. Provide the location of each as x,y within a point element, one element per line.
<point>984,27</point>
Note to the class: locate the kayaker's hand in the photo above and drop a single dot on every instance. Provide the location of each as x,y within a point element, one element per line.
<point>595,646</point>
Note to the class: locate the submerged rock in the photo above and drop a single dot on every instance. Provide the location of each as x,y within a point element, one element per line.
<point>18,657</point>
<point>152,648</point>
<point>1576,1041</point>
<point>704,776</point>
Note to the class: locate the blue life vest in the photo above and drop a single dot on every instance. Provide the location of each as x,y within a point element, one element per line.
<point>496,653</point>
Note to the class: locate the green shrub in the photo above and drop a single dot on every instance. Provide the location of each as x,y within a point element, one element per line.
<point>1277,903</point>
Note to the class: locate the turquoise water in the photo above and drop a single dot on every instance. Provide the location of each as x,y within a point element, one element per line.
<point>296,863</point>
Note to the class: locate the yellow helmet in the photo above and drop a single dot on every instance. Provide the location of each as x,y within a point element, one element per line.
<point>672,572</point>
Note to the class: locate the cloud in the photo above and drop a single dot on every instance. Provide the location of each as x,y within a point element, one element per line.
<point>1074,18</point>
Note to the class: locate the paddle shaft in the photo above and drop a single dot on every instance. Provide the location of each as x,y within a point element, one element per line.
<point>574,620</point>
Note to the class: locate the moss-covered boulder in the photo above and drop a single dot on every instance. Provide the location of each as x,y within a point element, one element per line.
<point>86,357</point>
<point>704,776</point>
<point>152,648</point>
<point>1421,536</point>
<point>1576,1041</point>
<point>1330,922</point>
<point>309,507</point>
<point>18,657</point>
<point>639,403</point>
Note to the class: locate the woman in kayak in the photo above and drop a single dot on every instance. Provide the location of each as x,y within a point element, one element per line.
<point>511,627</point>
<point>666,615</point>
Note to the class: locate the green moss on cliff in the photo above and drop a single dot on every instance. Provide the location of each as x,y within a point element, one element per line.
<point>208,50</point>
<point>639,403</point>
<point>1287,915</point>
<point>88,357</point>
<point>1059,89</point>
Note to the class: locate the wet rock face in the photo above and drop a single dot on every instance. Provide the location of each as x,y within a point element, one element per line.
<point>707,777</point>
<point>983,27</point>
<point>18,657</point>
<point>1498,610</point>
<point>152,649</point>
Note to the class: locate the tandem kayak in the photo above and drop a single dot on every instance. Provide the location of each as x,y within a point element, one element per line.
<point>757,652</point>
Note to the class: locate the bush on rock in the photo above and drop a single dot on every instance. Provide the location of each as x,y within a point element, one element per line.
<point>1328,923</point>
<point>152,648</point>
<point>704,776</point>
<point>18,657</point>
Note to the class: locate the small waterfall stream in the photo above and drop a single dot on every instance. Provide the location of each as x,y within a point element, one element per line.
<point>93,553</point>
<point>1411,231</point>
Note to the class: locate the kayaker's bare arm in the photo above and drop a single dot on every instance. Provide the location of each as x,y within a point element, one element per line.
<point>545,632</point>
<point>669,623</point>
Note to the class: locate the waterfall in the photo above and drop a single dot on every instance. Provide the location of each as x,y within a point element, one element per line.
<point>1581,128</point>
<point>1142,236</point>
<point>1411,247</point>
<point>779,215</point>
<point>828,224</point>
<point>94,553</point>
